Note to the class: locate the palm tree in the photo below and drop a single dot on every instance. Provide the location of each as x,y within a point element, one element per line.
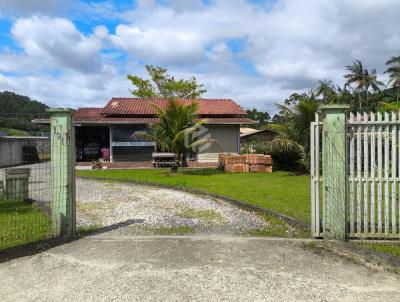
<point>176,128</point>
<point>356,77</point>
<point>388,106</point>
<point>394,74</point>
<point>372,83</point>
<point>327,91</point>
<point>363,81</point>
<point>299,116</point>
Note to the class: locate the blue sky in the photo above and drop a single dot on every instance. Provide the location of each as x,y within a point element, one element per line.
<point>77,53</point>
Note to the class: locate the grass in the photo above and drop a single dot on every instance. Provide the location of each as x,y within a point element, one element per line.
<point>280,191</point>
<point>21,223</point>
<point>386,248</point>
<point>87,229</point>
<point>14,132</point>
<point>276,228</point>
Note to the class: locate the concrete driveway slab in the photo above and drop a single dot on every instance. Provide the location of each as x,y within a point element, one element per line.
<point>191,268</point>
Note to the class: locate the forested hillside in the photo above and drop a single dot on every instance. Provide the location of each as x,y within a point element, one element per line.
<point>16,113</point>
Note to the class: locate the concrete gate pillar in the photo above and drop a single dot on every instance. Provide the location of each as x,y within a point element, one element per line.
<point>334,170</point>
<point>63,214</point>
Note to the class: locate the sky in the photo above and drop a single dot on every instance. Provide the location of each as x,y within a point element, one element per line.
<point>77,53</point>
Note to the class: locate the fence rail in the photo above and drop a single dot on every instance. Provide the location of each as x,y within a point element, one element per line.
<point>37,185</point>
<point>374,166</point>
<point>372,177</point>
<point>315,177</point>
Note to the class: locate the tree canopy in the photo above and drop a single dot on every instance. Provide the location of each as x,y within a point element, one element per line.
<point>262,118</point>
<point>161,84</point>
<point>17,111</point>
<point>175,132</point>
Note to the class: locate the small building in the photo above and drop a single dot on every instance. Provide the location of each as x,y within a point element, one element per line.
<point>249,135</point>
<point>114,129</point>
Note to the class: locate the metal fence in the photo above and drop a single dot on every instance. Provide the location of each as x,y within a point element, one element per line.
<point>374,166</point>
<point>366,175</point>
<point>33,187</point>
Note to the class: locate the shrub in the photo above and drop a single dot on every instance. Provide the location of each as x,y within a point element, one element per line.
<point>286,154</point>
<point>255,147</point>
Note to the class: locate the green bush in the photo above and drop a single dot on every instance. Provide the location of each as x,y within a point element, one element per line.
<point>255,147</point>
<point>286,154</point>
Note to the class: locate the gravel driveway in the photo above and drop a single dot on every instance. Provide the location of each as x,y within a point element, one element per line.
<point>149,210</point>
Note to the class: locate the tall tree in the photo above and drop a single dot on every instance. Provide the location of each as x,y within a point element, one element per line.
<point>261,117</point>
<point>394,74</point>
<point>327,91</point>
<point>357,78</point>
<point>17,112</point>
<point>298,119</point>
<point>162,85</point>
<point>372,83</point>
<point>364,82</point>
<point>176,128</point>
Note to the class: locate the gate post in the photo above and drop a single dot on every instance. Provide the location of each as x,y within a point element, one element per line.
<point>334,170</point>
<point>62,172</point>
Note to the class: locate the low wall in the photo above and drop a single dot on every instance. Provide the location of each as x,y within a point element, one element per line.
<point>12,149</point>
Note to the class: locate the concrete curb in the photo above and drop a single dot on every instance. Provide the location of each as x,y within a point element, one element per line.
<point>389,262</point>
<point>239,203</point>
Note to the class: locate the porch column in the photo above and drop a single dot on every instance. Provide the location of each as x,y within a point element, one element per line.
<point>111,146</point>
<point>334,170</point>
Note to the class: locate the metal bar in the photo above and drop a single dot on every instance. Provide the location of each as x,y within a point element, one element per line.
<point>317,176</point>
<point>372,205</point>
<point>359,174</point>
<point>386,168</point>
<point>379,205</point>
<point>365,208</point>
<point>394,166</point>
<point>312,172</point>
<point>388,122</point>
<point>351,166</point>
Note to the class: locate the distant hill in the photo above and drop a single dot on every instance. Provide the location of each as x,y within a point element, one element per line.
<point>16,113</point>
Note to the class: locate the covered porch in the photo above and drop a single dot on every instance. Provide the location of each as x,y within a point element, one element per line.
<point>113,143</point>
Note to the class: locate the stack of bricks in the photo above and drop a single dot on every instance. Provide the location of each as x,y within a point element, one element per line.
<point>257,163</point>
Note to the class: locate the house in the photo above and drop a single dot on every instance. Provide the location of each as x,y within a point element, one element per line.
<point>249,135</point>
<point>114,128</point>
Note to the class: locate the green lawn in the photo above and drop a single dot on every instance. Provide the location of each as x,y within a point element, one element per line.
<point>387,248</point>
<point>15,132</point>
<point>21,223</point>
<point>280,191</point>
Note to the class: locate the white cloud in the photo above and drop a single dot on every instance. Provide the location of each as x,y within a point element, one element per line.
<point>68,90</point>
<point>221,55</point>
<point>291,45</point>
<point>158,45</point>
<point>56,43</point>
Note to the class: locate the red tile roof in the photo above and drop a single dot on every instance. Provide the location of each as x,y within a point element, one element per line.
<point>87,113</point>
<point>139,111</point>
<point>147,120</point>
<point>139,106</point>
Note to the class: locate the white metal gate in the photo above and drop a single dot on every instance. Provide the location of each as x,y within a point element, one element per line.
<point>373,183</point>
<point>373,176</point>
<point>316,205</point>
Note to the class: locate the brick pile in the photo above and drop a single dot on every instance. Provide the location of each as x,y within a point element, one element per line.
<point>257,163</point>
